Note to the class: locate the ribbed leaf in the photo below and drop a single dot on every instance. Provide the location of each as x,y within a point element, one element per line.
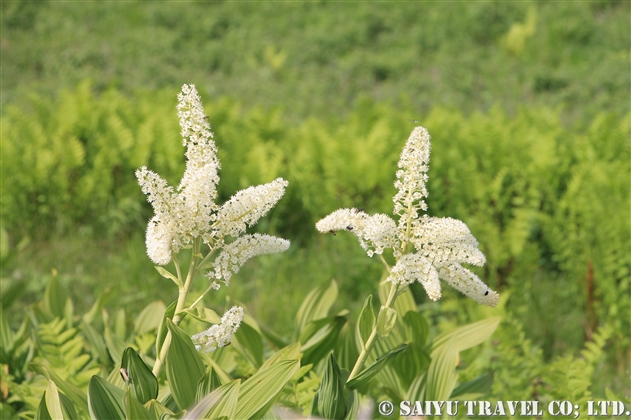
<point>42,411</point>
<point>53,403</point>
<point>260,391</point>
<point>162,329</point>
<point>77,396</point>
<point>142,383</point>
<point>316,305</point>
<point>184,367</point>
<point>410,363</point>
<point>150,318</point>
<point>386,320</point>
<point>157,410</point>
<point>417,328</point>
<point>105,401</point>
<point>331,398</point>
<point>469,335</point>
<point>203,315</point>
<point>367,374</point>
<point>319,338</point>
<point>473,389</point>
<point>134,409</point>
<point>249,343</point>
<point>222,402</point>
<point>208,383</point>
<point>441,375</point>
<point>55,298</point>
<point>366,321</point>
<point>115,346</point>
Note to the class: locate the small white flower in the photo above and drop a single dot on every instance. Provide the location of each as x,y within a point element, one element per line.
<point>219,335</point>
<point>247,206</point>
<point>234,255</point>
<point>413,267</point>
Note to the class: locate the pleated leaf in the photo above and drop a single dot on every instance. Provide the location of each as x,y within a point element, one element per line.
<point>367,374</point>
<point>222,402</point>
<point>134,409</point>
<point>184,367</point>
<point>386,320</point>
<point>162,329</point>
<point>331,399</point>
<point>143,384</point>
<point>316,305</point>
<point>105,401</point>
<point>366,321</point>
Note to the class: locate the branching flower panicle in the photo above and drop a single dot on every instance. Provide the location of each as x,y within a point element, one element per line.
<point>219,335</point>
<point>440,245</point>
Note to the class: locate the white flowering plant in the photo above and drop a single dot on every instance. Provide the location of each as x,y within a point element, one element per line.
<point>426,250</point>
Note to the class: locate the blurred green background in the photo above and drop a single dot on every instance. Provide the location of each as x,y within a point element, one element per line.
<point>527,105</point>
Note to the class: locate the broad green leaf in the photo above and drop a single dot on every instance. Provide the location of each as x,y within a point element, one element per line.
<point>96,342</point>
<point>157,410</point>
<point>248,342</point>
<point>10,291</point>
<point>222,402</point>
<point>203,314</point>
<point>291,352</point>
<point>42,411</point>
<point>162,329</point>
<point>410,363</point>
<point>167,275</point>
<point>55,298</point>
<point>223,376</point>
<point>441,374</point>
<point>276,341</point>
<point>119,326</point>
<point>150,318</point>
<point>366,321</point>
<point>316,305</point>
<point>77,396</point>
<point>469,335</point>
<point>319,337</point>
<point>473,389</point>
<point>352,405</point>
<point>101,299</point>
<point>115,346</point>
<point>134,409</point>
<point>346,347</point>
<point>208,383</point>
<point>105,401</point>
<point>184,367</point>
<point>385,321</point>
<point>261,390</point>
<point>141,381</point>
<point>331,398</point>
<point>53,403</point>
<point>367,374</point>
<point>417,328</point>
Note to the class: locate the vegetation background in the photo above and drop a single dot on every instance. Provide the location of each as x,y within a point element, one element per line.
<point>527,104</point>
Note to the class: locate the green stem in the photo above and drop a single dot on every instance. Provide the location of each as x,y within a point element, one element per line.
<point>181,303</point>
<point>373,336</point>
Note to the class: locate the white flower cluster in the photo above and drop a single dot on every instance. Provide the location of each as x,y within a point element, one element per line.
<point>234,255</point>
<point>191,212</point>
<point>247,206</point>
<point>441,244</point>
<point>219,335</point>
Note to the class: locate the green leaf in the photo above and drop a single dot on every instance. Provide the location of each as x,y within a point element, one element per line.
<point>77,396</point>
<point>162,329</point>
<point>473,389</point>
<point>141,381</point>
<point>222,402</point>
<point>208,383</point>
<point>184,367</point>
<point>134,409</point>
<point>158,411</point>
<point>42,411</point>
<point>203,314</point>
<point>167,275</point>
<point>105,401</point>
<point>316,305</point>
<point>96,341</point>
<point>367,374</point>
<point>352,405</point>
<point>331,398</point>
<point>469,335</point>
<point>150,318</point>
<point>366,321</point>
<point>291,352</point>
<point>115,346</point>
<point>346,347</point>
<point>410,363</point>
<point>248,342</point>
<point>55,298</point>
<point>385,321</point>
<point>417,328</point>
<point>261,390</point>
<point>441,374</point>
<point>53,403</point>
<point>319,337</point>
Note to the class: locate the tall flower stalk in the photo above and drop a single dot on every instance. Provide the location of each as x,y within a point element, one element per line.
<point>187,218</point>
<point>426,249</point>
